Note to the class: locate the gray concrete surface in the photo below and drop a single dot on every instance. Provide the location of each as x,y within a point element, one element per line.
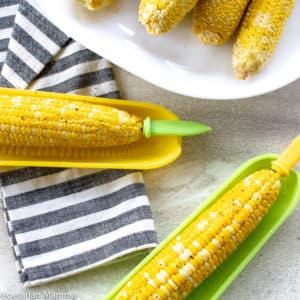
<point>241,130</point>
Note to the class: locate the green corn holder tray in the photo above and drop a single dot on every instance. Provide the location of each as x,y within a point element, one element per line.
<point>213,287</point>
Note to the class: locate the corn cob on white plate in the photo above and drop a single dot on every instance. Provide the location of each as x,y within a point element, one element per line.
<point>176,61</point>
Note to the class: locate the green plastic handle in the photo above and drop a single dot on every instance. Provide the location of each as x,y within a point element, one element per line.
<point>173,127</point>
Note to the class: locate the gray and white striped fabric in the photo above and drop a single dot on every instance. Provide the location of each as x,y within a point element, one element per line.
<point>63,221</point>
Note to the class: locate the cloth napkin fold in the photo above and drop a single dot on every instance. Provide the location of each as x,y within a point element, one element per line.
<point>63,221</point>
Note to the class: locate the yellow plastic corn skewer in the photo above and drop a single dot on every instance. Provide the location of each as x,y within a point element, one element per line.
<point>190,257</point>
<point>215,21</point>
<point>96,4</point>
<point>259,35</point>
<point>42,122</point>
<point>159,16</point>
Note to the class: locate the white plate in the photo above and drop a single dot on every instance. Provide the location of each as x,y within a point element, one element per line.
<point>176,61</point>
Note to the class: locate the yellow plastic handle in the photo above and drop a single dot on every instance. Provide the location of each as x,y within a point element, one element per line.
<point>288,158</point>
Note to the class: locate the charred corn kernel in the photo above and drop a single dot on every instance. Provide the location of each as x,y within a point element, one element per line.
<point>215,21</point>
<point>30,121</point>
<point>95,4</point>
<point>204,244</point>
<point>159,16</point>
<point>259,35</point>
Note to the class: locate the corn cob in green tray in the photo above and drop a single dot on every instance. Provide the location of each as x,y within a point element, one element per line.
<point>199,249</point>
<point>211,235</point>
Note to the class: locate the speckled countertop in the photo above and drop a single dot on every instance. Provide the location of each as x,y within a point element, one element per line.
<point>241,130</point>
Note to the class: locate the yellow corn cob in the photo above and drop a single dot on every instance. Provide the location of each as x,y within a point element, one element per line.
<point>30,121</point>
<point>95,4</point>
<point>160,16</point>
<point>215,21</point>
<point>203,245</point>
<point>259,34</point>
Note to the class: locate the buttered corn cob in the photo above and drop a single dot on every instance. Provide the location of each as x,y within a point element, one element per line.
<point>215,21</point>
<point>159,16</point>
<point>44,122</point>
<point>190,257</point>
<point>259,35</point>
<point>95,4</point>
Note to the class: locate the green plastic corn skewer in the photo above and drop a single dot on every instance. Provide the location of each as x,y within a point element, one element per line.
<point>173,127</point>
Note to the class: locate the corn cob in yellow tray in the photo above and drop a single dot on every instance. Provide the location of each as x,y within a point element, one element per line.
<point>96,4</point>
<point>259,35</point>
<point>215,21</point>
<point>42,121</point>
<point>159,16</point>
<point>202,245</point>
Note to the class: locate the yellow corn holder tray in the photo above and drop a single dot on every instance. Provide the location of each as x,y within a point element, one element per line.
<point>147,153</point>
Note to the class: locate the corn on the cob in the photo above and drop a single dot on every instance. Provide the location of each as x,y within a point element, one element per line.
<point>96,4</point>
<point>30,121</point>
<point>259,35</point>
<point>215,21</point>
<point>160,16</point>
<point>203,245</point>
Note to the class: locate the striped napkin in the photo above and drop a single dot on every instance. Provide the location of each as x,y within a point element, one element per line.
<point>64,221</point>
